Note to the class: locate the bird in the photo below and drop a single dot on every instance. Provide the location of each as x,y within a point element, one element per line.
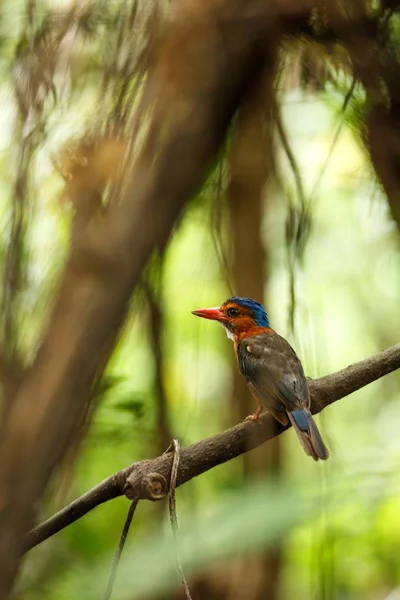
<point>271,367</point>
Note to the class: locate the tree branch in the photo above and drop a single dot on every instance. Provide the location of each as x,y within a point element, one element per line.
<point>148,479</point>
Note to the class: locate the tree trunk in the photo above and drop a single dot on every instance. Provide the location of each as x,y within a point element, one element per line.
<point>189,100</point>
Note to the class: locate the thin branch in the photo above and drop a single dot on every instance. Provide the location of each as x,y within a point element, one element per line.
<point>346,101</point>
<point>295,219</point>
<point>172,514</point>
<point>152,285</point>
<point>120,548</point>
<point>148,479</point>
<point>290,156</point>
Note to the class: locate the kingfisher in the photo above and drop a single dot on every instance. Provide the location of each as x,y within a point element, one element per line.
<point>271,368</point>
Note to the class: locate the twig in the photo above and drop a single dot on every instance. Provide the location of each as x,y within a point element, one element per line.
<point>120,548</point>
<point>172,513</point>
<point>152,285</point>
<point>295,219</point>
<point>335,138</point>
<point>290,156</point>
<point>148,479</point>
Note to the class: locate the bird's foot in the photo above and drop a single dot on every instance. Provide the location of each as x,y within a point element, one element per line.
<point>255,416</point>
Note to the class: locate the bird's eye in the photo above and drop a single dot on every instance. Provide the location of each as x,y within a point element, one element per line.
<point>233,312</point>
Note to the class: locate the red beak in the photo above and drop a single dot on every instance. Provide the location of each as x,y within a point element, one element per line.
<point>214,314</point>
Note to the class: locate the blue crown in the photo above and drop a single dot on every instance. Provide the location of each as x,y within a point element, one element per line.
<point>259,313</point>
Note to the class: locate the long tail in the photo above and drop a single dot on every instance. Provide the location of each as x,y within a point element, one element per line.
<point>308,434</point>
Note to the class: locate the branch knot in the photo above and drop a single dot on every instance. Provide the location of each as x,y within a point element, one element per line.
<point>151,486</point>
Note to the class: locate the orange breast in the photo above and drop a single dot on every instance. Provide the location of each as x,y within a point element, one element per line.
<point>250,331</point>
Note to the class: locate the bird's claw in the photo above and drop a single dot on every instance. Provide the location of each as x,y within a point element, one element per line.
<point>255,416</point>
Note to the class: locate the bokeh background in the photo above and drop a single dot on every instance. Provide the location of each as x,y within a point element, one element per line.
<point>320,249</point>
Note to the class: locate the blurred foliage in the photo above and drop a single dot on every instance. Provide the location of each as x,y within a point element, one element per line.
<point>340,522</point>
